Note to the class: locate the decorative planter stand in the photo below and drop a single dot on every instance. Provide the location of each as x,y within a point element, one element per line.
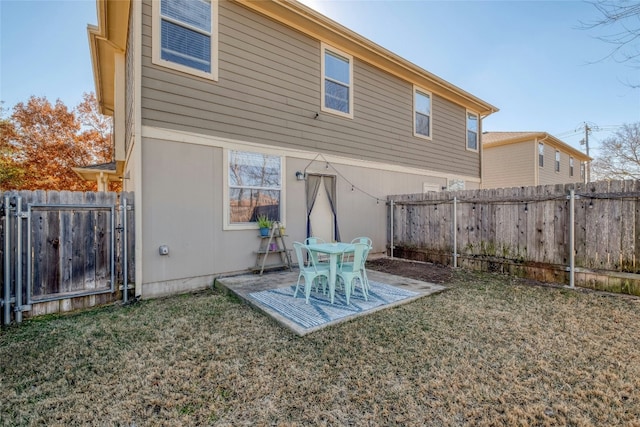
<point>270,245</point>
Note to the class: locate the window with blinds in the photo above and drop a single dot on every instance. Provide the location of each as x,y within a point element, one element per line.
<point>185,37</point>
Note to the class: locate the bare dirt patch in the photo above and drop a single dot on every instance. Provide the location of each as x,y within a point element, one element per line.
<point>487,352</point>
<point>426,272</point>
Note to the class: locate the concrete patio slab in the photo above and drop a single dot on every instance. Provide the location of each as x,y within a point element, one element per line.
<point>243,285</point>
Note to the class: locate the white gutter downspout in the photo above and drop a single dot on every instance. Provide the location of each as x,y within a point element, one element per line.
<point>137,141</point>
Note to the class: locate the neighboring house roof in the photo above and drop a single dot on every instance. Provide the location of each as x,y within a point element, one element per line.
<point>111,36</point>
<point>110,166</point>
<point>93,172</point>
<point>496,139</point>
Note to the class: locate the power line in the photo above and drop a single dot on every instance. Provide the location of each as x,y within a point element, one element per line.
<point>580,129</point>
<point>567,133</point>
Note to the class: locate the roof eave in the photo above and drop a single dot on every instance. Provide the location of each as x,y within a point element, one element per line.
<point>516,139</point>
<point>110,36</point>
<point>537,136</point>
<point>307,21</point>
<point>105,39</point>
<point>92,174</point>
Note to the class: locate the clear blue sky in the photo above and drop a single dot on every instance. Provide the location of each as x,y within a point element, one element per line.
<point>528,58</point>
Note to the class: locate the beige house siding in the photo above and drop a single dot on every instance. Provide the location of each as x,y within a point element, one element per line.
<point>183,210</point>
<point>265,100</point>
<point>510,165</point>
<point>515,164</point>
<point>548,174</point>
<point>177,212</point>
<point>269,92</point>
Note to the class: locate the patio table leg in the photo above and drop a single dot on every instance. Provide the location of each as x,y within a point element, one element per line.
<point>333,261</point>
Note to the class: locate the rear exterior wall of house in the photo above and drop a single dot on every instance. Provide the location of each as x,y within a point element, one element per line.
<point>267,100</point>
<point>511,165</point>
<point>554,172</point>
<point>518,165</point>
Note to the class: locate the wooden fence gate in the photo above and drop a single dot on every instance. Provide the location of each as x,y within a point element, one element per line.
<point>64,250</point>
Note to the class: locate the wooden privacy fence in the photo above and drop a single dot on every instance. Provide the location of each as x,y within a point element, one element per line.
<point>527,231</point>
<point>64,250</point>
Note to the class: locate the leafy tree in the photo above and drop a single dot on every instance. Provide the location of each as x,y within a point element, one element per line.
<point>41,142</point>
<point>619,155</point>
<point>96,128</point>
<point>10,171</point>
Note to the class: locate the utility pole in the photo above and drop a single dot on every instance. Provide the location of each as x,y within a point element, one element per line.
<point>587,130</point>
<point>587,166</point>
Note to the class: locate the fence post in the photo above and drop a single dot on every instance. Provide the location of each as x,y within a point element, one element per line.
<point>572,238</point>
<point>455,232</point>
<point>18,305</point>
<point>7,262</point>
<point>125,284</point>
<point>391,218</point>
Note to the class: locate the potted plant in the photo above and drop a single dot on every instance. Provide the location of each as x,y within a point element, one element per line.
<point>264,224</point>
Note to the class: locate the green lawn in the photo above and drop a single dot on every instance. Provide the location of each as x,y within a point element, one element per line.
<point>489,351</point>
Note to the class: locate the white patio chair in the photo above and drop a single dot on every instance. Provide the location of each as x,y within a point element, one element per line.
<point>309,271</point>
<point>369,244</point>
<point>316,257</point>
<point>366,240</point>
<point>349,272</point>
<point>313,240</point>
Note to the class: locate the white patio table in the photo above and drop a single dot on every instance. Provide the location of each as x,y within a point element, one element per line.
<point>334,250</point>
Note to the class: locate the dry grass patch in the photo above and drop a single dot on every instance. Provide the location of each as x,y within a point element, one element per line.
<point>489,351</point>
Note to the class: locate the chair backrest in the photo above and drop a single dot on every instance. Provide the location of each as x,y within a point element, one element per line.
<point>302,254</point>
<point>314,255</point>
<point>364,240</point>
<point>360,255</point>
<point>297,248</point>
<point>313,240</point>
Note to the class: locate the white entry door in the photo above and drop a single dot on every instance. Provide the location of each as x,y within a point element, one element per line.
<point>321,216</point>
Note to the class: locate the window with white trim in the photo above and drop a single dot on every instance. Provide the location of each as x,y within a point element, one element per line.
<point>472,131</point>
<point>455,184</point>
<point>421,113</point>
<point>570,166</point>
<point>557,161</point>
<point>337,82</point>
<point>185,36</point>
<point>540,154</point>
<point>254,187</point>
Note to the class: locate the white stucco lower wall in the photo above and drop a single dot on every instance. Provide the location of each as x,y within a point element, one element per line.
<point>182,200</point>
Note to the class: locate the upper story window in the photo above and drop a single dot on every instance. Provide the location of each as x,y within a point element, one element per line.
<point>337,82</point>
<point>582,170</point>
<point>557,161</point>
<point>570,166</point>
<point>185,36</point>
<point>472,131</point>
<point>422,113</point>
<point>454,184</point>
<point>540,154</point>
<point>254,188</point>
